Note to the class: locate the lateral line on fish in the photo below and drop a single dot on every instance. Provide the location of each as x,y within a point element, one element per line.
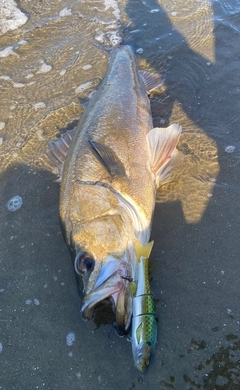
<point>141,226</point>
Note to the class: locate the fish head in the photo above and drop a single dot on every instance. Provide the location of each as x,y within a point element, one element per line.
<point>106,260</point>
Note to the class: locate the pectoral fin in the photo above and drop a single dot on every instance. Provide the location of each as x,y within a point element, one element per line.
<point>162,144</point>
<point>108,158</point>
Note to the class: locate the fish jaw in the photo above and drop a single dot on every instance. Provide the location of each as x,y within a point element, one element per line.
<point>113,282</point>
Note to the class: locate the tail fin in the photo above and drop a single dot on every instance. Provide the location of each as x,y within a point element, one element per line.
<point>143,250</point>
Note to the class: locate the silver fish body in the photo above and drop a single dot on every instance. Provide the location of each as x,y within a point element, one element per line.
<point>108,186</point>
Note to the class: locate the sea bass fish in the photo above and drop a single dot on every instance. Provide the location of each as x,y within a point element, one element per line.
<point>110,172</point>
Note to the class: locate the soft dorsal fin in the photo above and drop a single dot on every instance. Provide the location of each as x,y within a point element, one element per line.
<point>151,80</point>
<point>59,148</point>
<point>108,158</point>
<point>162,148</point>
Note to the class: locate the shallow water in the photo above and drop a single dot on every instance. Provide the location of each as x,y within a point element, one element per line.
<point>45,64</point>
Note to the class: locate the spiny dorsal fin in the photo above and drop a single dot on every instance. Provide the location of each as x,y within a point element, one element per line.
<point>59,148</point>
<point>151,80</point>
<point>162,144</point>
<point>143,250</point>
<point>108,158</point>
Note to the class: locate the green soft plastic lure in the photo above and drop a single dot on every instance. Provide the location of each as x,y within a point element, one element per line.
<point>144,326</point>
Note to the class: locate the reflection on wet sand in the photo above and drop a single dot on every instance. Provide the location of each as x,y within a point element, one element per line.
<point>194,178</point>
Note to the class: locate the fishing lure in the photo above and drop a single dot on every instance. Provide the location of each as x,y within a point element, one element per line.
<point>144,324</point>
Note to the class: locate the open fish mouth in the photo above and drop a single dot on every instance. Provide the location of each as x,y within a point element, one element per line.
<point>112,282</point>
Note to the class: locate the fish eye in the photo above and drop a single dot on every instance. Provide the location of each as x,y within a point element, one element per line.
<point>84,262</point>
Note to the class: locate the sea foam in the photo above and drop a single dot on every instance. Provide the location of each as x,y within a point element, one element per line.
<point>11,16</point>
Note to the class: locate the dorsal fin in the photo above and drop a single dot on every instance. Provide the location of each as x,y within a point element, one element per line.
<point>151,80</point>
<point>59,148</point>
<point>108,158</point>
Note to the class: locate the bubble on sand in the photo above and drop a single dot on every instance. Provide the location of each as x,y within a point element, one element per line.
<point>36,301</point>
<point>114,5</point>
<point>39,134</point>
<point>99,37</point>
<point>154,11</point>
<point>7,52</point>
<point>11,16</point>
<point>115,39</point>
<point>2,125</point>
<point>139,51</point>
<point>29,76</point>
<point>83,87</point>
<point>65,12</point>
<point>230,149</point>
<point>86,67</point>
<point>44,68</point>
<point>22,42</point>
<point>15,203</point>
<point>70,339</point>
<point>18,85</point>
<point>62,73</point>
<point>39,105</point>
<point>28,301</point>
<point>1,347</point>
